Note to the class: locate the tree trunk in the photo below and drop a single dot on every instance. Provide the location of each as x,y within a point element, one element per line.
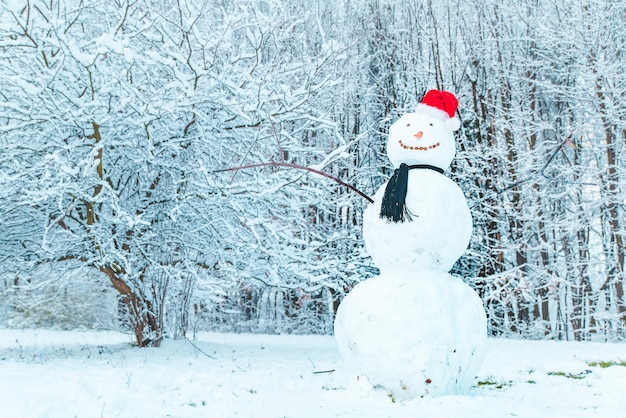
<point>611,181</point>
<point>143,320</point>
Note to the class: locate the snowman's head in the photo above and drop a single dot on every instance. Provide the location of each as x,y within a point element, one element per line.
<point>426,136</point>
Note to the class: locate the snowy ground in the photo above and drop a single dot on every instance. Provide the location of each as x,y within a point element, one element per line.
<point>73,374</point>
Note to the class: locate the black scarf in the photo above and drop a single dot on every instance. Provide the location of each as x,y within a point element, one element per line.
<point>393,207</point>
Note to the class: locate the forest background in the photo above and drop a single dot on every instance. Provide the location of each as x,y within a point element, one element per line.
<point>115,118</point>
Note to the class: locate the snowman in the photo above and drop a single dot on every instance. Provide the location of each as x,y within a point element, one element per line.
<point>416,330</point>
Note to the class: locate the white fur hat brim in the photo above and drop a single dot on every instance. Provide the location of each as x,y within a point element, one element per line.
<point>452,123</point>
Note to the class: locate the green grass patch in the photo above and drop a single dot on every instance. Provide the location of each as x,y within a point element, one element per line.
<point>577,376</point>
<point>494,384</point>
<point>606,364</point>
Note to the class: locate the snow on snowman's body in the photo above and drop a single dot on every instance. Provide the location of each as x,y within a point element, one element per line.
<point>415,329</point>
<point>415,334</point>
<point>437,235</point>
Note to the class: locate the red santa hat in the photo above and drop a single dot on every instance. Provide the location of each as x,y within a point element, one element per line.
<point>442,105</point>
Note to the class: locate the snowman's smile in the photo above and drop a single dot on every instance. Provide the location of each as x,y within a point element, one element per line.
<point>418,148</point>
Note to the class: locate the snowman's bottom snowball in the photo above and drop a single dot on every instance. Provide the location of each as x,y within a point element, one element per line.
<point>415,334</point>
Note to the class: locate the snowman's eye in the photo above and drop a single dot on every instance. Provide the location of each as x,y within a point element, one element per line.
<point>431,124</point>
<point>408,124</point>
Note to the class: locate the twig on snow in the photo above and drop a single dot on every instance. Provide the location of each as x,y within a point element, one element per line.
<point>324,371</point>
<point>199,349</point>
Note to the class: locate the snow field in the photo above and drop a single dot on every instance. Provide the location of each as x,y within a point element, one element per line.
<point>98,374</point>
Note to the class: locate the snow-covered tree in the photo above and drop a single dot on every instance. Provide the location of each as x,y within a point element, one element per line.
<point>117,116</point>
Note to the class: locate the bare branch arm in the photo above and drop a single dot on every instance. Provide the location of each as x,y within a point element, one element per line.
<point>299,167</point>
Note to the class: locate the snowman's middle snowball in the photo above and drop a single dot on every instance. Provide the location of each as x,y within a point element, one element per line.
<point>437,234</point>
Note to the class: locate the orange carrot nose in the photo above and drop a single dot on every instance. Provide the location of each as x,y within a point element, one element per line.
<point>419,134</point>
